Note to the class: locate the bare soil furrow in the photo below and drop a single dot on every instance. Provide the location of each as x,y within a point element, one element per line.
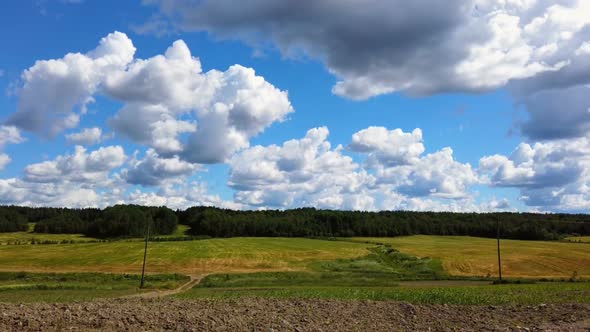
<point>257,314</point>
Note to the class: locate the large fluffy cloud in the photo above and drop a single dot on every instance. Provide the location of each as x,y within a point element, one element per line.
<point>158,129</point>
<point>55,92</point>
<point>552,175</point>
<point>436,174</point>
<point>219,111</point>
<point>229,107</point>
<point>388,147</point>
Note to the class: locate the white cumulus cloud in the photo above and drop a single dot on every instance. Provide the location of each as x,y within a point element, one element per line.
<point>88,136</point>
<point>225,108</point>
<point>153,170</point>
<point>4,160</point>
<point>80,167</point>
<point>54,93</point>
<point>10,135</point>
<point>550,175</point>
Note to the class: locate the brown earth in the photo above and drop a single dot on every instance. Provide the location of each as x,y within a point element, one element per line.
<point>287,315</point>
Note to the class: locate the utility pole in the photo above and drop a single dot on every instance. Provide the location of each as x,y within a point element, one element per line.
<point>498,240</point>
<point>147,236</point>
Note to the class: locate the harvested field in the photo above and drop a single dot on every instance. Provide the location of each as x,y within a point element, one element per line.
<point>474,256</point>
<point>257,314</point>
<point>189,257</point>
<point>578,239</point>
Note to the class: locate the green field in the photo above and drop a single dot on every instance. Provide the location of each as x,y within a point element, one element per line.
<point>67,287</point>
<point>471,256</point>
<point>464,293</point>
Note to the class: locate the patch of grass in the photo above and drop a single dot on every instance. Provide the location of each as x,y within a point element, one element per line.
<point>472,256</point>
<point>529,294</point>
<point>384,259</point>
<point>178,233</point>
<point>25,287</point>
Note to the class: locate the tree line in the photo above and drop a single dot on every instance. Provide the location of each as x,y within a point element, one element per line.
<point>310,222</point>
<point>132,221</point>
<point>114,221</point>
<point>12,221</point>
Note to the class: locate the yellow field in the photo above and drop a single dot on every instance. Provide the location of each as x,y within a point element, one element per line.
<point>189,257</point>
<point>582,239</point>
<point>461,256</point>
<point>471,256</point>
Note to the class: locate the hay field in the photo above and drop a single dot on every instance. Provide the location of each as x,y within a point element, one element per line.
<point>189,257</point>
<point>472,256</point>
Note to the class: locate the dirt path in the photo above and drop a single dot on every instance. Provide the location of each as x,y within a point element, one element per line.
<point>194,280</point>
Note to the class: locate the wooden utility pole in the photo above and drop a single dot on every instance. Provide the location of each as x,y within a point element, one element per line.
<point>147,236</point>
<point>498,240</point>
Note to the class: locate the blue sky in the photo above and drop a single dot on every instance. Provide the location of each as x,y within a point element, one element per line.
<point>501,83</point>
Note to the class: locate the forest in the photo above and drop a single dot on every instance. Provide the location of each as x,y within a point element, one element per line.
<point>132,221</point>
<point>115,221</point>
<point>310,222</point>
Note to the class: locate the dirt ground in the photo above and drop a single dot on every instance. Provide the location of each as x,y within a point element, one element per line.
<point>287,315</point>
